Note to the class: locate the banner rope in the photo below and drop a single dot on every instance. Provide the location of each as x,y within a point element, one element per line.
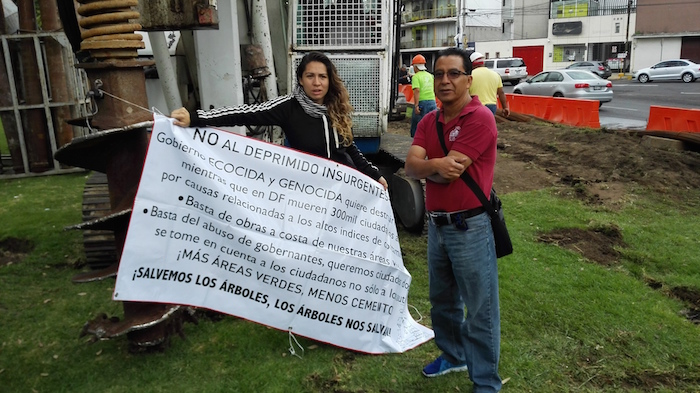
<point>153,109</point>
<point>291,345</point>
<point>126,101</point>
<point>419,314</point>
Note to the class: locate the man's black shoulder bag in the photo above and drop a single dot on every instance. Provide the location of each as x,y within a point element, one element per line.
<point>493,207</point>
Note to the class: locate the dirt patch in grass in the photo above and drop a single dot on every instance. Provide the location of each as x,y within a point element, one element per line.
<point>603,163</point>
<point>596,245</point>
<point>13,250</point>
<point>653,379</point>
<point>599,166</point>
<point>691,296</point>
<point>688,294</point>
<point>318,383</point>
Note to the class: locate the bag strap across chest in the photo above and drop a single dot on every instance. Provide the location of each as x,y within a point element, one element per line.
<point>466,177</point>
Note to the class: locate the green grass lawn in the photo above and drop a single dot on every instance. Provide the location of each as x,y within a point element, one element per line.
<point>569,325</point>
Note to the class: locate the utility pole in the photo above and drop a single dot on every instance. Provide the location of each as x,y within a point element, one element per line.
<point>627,37</point>
<point>459,37</point>
<point>466,32</point>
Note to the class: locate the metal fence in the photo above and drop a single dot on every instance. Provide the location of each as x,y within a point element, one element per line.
<point>448,11</point>
<point>581,8</point>
<point>435,42</point>
<point>42,92</point>
<point>362,75</point>
<point>340,25</point>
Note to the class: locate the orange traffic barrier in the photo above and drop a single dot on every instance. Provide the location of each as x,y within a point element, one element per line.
<point>575,112</point>
<point>407,91</point>
<point>663,118</point>
<point>531,105</point>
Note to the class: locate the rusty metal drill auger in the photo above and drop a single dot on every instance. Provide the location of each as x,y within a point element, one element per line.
<point>117,147</point>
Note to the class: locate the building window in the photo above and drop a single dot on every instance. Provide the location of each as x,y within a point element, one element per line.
<point>617,27</point>
<point>498,54</point>
<point>565,53</point>
<point>569,8</point>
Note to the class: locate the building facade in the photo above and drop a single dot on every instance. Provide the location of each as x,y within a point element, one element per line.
<point>590,30</point>
<point>430,25</point>
<point>666,30</point>
<point>547,34</point>
<point>426,27</point>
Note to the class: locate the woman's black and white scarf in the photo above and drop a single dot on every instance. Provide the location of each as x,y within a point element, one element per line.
<point>311,108</point>
<point>318,111</point>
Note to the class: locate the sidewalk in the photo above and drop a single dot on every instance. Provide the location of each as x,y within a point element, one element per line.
<point>618,76</point>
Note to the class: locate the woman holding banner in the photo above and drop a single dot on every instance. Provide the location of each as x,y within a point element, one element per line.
<point>315,117</point>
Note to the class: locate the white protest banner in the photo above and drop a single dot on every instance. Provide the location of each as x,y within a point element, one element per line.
<point>269,234</point>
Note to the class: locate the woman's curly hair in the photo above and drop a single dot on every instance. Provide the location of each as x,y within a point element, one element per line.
<point>337,101</point>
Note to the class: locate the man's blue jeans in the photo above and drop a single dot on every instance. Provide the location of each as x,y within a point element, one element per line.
<point>425,106</point>
<point>492,107</point>
<point>463,273</point>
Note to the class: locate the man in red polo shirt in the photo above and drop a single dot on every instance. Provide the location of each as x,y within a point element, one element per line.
<point>461,250</point>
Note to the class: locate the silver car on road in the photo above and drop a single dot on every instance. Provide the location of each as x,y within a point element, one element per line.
<point>679,69</point>
<point>569,84</point>
<point>599,68</point>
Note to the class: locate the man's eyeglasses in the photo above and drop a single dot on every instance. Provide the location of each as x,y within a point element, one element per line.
<point>452,74</point>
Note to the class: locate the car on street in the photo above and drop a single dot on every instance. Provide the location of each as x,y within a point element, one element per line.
<point>569,84</point>
<point>511,69</point>
<point>398,112</point>
<point>678,69</point>
<point>599,68</point>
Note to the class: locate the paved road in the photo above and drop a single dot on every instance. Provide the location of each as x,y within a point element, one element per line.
<point>630,106</point>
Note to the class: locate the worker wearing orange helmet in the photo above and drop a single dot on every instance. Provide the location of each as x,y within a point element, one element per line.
<point>423,92</point>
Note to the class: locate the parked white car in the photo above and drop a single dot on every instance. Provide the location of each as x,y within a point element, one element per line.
<point>511,69</point>
<point>678,69</point>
